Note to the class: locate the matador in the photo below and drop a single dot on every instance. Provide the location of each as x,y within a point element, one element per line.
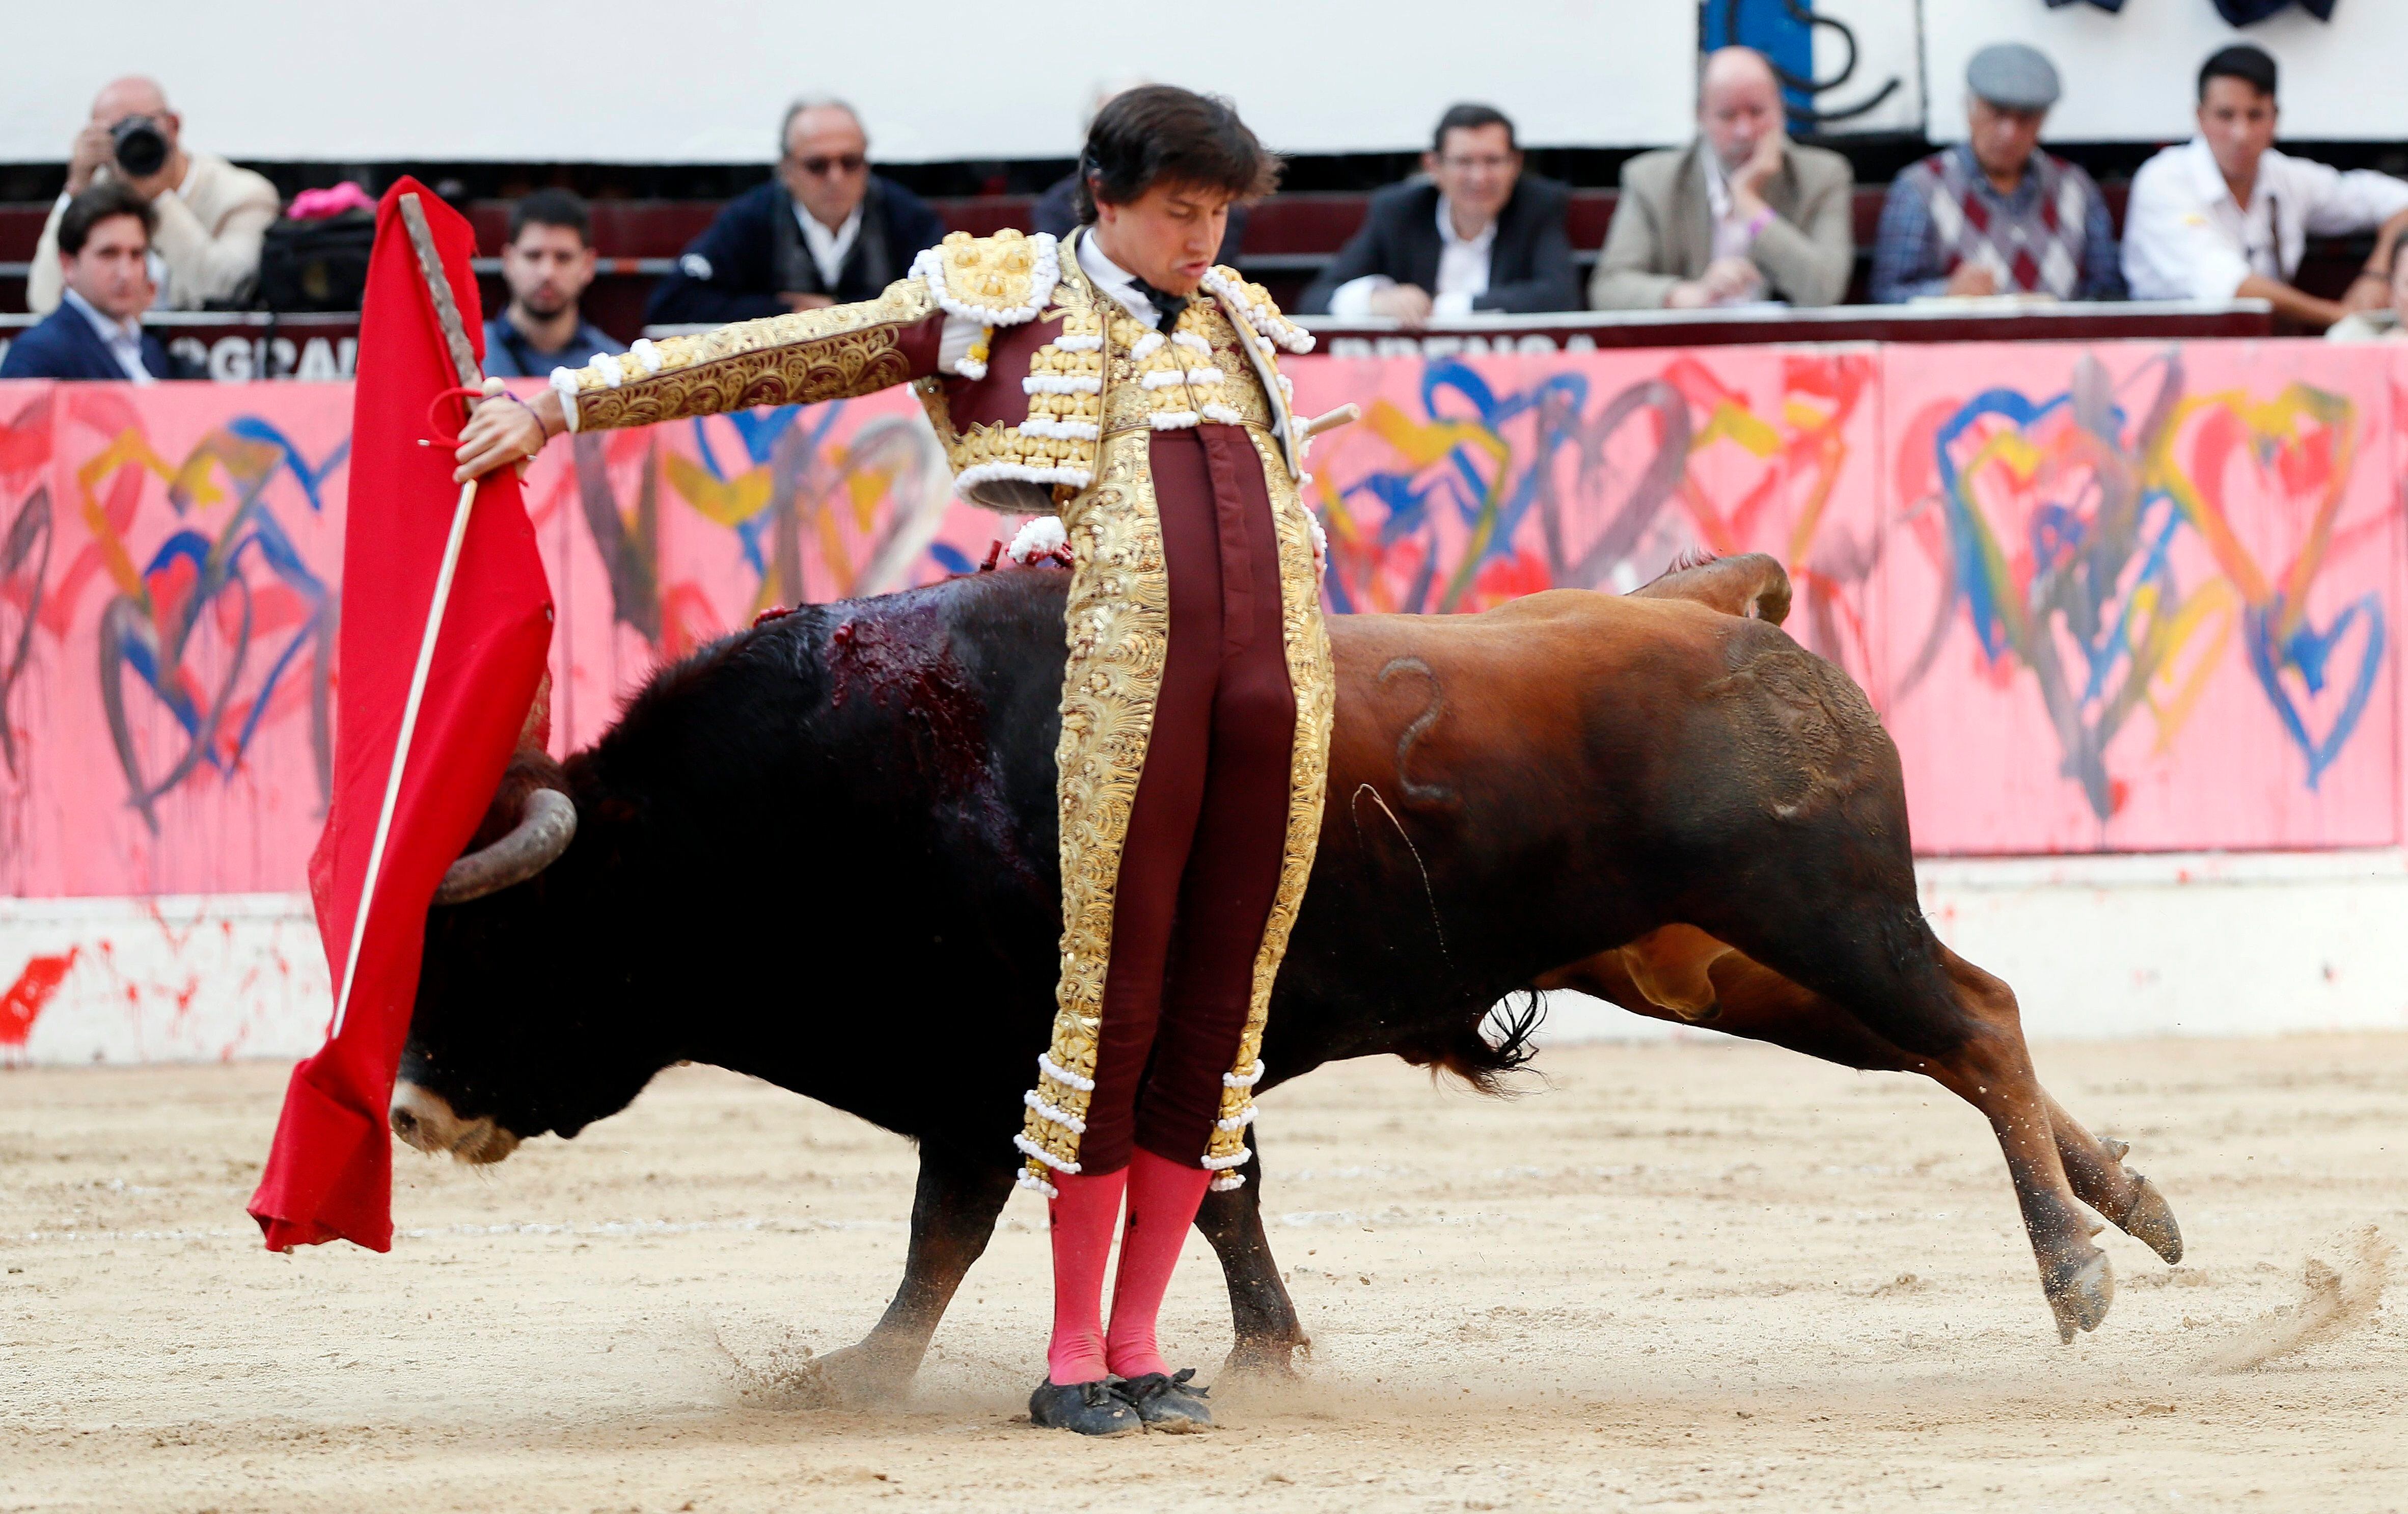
<point>1118,381</point>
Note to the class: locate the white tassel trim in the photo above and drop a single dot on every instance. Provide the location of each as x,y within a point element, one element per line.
<point>608,366</point>
<point>646,353</point>
<point>1211,1164</point>
<point>1045,426</point>
<point>1235,1123</point>
<point>1262,317</point>
<point>1320,537</point>
<point>1036,1184</point>
<point>1225,1183</point>
<point>563,383</point>
<point>1055,384</point>
<point>1033,540</point>
<point>1221,414</point>
<point>1165,379</point>
<point>1063,1118</point>
<point>1079,344</point>
<point>1048,1158</point>
<point>1042,275</point>
<point>1146,347</point>
<point>1045,1063</point>
<point>1244,1081</point>
<point>969,367</point>
<point>1174,420</point>
<point>1077,478</point>
<point>1190,339</point>
<point>1205,378</point>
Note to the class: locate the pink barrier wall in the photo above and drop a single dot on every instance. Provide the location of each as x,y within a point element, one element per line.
<point>2117,596</point>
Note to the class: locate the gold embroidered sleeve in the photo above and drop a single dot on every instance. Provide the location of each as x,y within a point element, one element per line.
<point>799,359</point>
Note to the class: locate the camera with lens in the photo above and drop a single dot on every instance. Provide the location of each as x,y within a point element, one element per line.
<point>140,145</point>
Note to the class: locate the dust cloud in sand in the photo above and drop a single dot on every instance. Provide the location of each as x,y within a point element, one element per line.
<point>1698,1273</point>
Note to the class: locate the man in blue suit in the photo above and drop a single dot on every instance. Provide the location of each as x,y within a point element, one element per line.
<point>96,332</point>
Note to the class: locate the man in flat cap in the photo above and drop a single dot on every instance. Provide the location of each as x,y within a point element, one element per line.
<point>1993,215</point>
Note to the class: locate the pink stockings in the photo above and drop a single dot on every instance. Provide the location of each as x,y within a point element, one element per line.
<point>1163,1197</point>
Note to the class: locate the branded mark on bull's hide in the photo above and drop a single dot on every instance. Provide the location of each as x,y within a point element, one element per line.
<point>1416,729</point>
<point>33,992</point>
<point>24,559</point>
<point>900,656</point>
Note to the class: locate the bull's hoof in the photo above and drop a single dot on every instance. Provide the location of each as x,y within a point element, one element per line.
<point>1265,1360</point>
<point>2150,1220</point>
<point>864,1373</point>
<point>2080,1293</point>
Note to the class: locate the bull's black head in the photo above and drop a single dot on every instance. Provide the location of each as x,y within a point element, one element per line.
<point>511,1036</point>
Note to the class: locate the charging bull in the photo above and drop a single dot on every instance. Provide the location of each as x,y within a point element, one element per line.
<point>822,852</point>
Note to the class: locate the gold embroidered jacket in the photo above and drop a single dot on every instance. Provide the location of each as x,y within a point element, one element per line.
<point>1048,411</point>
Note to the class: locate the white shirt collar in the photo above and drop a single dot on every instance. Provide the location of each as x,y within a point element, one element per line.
<point>829,248</point>
<point>1112,279</point>
<point>123,338</point>
<point>1448,238</point>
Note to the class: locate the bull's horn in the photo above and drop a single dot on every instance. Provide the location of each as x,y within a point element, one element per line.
<point>546,824</point>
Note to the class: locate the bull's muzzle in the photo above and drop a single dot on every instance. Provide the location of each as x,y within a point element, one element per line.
<point>425,1120</point>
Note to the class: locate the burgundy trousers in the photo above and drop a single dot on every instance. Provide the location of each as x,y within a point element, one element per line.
<point>1209,823</point>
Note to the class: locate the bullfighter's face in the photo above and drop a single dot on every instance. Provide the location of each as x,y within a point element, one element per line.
<point>1168,235</point>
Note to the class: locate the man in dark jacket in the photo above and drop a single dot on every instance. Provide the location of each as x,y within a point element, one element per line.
<point>1477,234</point>
<point>824,231</point>
<point>96,331</point>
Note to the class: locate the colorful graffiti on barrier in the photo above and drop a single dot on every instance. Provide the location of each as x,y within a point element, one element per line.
<point>1474,481</point>
<point>2118,597</point>
<point>2147,541</point>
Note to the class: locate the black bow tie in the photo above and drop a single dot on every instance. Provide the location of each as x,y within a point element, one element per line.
<point>1167,307</point>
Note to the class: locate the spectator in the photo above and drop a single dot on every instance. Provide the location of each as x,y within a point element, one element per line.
<point>1474,234</point>
<point>2226,216</point>
<point>103,241</point>
<point>1996,215</point>
<point>210,214</point>
<point>547,263</point>
<point>1056,210</point>
<point>1740,214</point>
<point>824,231</point>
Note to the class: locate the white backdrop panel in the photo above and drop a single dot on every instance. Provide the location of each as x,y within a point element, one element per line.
<point>2132,77</point>
<point>617,80</point>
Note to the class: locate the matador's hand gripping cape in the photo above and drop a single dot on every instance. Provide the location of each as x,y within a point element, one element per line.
<point>1050,411</point>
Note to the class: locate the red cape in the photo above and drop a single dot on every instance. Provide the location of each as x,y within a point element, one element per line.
<point>330,1172</point>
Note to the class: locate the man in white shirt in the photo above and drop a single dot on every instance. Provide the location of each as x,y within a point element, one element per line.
<point>1477,234</point>
<point>2226,216</point>
<point>211,214</point>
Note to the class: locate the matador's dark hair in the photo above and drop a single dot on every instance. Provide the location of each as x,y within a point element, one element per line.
<point>1161,133</point>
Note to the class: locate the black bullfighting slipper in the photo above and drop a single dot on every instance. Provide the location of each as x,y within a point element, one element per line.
<point>1169,1403</point>
<point>1091,1408</point>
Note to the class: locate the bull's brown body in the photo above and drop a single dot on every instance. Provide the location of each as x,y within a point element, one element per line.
<point>1659,798</point>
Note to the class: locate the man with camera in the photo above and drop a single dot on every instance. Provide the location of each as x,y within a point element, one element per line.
<point>211,214</point>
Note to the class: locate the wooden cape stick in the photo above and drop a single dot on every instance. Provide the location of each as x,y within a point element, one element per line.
<point>464,362</point>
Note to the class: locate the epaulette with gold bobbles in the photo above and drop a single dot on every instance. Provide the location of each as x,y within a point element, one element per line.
<point>999,280</point>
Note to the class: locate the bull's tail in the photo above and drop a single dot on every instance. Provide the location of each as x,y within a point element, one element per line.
<point>1751,584</point>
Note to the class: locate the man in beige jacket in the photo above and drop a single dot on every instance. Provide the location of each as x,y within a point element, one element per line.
<point>1740,214</point>
<point>210,213</point>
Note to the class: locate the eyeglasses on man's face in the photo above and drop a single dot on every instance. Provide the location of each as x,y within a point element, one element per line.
<point>822,166</point>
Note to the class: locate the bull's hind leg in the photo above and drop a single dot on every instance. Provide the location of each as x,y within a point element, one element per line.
<point>1268,1334</point>
<point>2130,1202</point>
<point>953,1212</point>
<point>1876,957</point>
<point>1992,1070</point>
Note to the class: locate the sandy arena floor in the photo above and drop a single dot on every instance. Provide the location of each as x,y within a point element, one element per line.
<point>1695,1275</point>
